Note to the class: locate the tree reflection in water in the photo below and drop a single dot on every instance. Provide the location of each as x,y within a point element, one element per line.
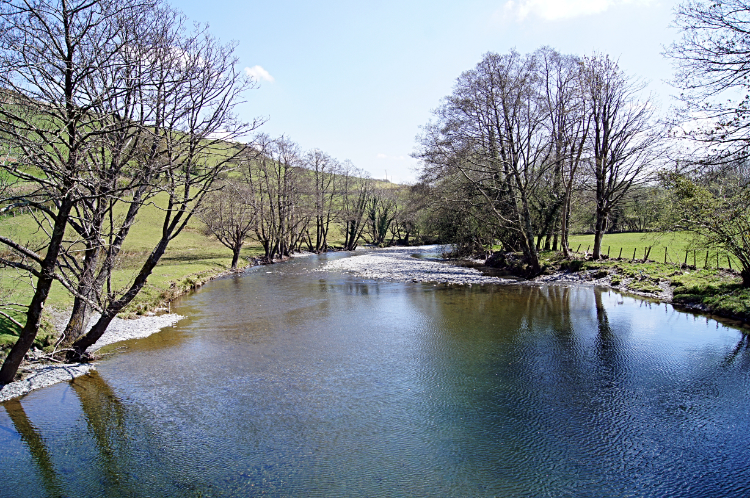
<point>105,419</point>
<point>105,415</point>
<point>33,439</point>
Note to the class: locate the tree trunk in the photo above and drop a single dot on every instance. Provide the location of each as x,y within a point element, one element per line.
<point>77,322</point>
<point>601,225</point>
<point>86,289</point>
<point>745,277</point>
<point>93,335</point>
<point>44,282</point>
<point>236,255</point>
<point>532,256</point>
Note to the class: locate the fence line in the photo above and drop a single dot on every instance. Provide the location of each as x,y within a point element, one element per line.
<point>668,259</point>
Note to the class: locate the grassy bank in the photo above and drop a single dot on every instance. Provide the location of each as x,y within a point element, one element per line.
<point>190,260</point>
<point>709,290</point>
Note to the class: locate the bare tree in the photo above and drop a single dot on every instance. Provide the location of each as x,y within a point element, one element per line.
<point>192,132</point>
<point>49,52</point>
<point>568,123</point>
<point>381,211</point>
<point>126,157</point>
<point>623,138</point>
<point>712,72</point>
<point>273,180</point>
<point>491,131</point>
<point>325,185</point>
<point>356,193</point>
<point>412,202</point>
<point>228,215</point>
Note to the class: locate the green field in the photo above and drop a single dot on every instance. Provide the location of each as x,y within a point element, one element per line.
<point>672,247</point>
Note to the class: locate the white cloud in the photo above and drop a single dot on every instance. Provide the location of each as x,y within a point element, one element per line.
<point>553,10</point>
<point>394,158</point>
<point>258,73</point>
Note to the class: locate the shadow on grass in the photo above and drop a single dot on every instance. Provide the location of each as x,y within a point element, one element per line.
<point>9,332</point>
<point>187,257</point>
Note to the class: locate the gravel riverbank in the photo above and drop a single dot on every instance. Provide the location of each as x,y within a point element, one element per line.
<point>400,264</point>
<point>43,375</point>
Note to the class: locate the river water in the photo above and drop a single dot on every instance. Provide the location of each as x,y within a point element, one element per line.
<point>289,382</point>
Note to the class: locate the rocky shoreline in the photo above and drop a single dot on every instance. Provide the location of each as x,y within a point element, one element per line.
<point>39,375</point>
<point>399,264</point>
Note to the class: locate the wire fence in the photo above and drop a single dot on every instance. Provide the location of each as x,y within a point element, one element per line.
<point>710,260</point>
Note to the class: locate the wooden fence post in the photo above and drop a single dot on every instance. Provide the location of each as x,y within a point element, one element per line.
<point>665,255</point>
<point>705,265</point>
<point>686,255</point>
<point>579,248</point>
<point>729,260</point>
<point>633,254</point>
<point>695,251</point>
<point>620,256</point>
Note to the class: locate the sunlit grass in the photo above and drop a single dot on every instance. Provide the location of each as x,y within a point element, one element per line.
<point>670,247</point>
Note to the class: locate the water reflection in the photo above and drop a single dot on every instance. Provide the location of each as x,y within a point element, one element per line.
<point>740,354</point>
<point>292,383</point>
<point>39,453</point>
<point>105,417</point>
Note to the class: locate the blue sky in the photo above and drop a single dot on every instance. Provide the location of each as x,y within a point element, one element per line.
<point>358,79</point>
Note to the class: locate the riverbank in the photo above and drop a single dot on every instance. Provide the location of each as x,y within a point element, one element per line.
<point>39,371</point>
<point>712,291</point>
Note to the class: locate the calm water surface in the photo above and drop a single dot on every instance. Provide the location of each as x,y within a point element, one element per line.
<point>288,382</point>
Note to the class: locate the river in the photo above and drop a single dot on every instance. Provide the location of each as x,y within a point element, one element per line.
<point>289,382</point>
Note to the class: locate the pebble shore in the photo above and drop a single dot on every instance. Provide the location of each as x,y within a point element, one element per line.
<point>399,264</point>
<point>40,376</point>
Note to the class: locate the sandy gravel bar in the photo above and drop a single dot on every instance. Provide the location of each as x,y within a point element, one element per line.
<point>138,328</point>
<point>43,376</point>
<point>398,264</point>
<point>119,330</point>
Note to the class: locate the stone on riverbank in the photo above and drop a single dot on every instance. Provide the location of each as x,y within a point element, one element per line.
<point>44,375</point>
